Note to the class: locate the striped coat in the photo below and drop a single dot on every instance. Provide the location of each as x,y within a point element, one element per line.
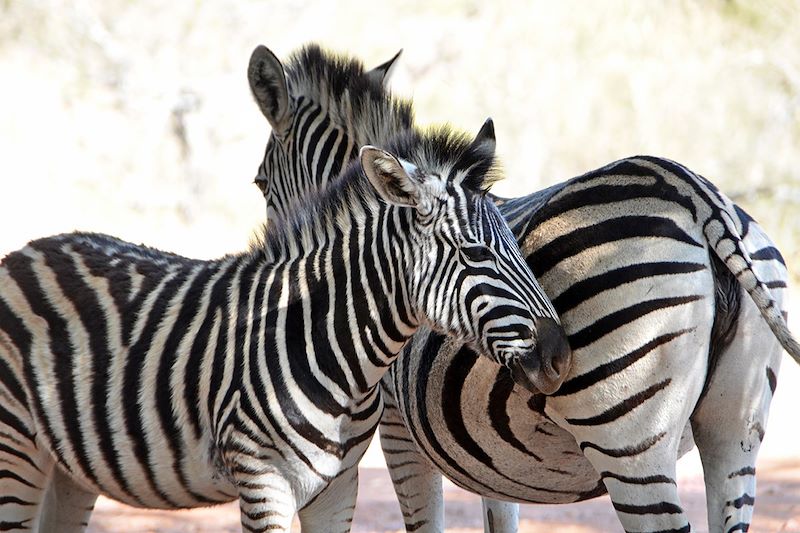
<point>166,382</point>
<point>645,262</point>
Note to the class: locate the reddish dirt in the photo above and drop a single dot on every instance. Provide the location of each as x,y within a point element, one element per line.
<point>777,509</point>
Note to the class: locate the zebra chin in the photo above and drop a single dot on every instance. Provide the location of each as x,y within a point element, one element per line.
<point>544,368</point>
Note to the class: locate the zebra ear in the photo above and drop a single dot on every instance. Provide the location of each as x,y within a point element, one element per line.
<point>485,139</point>
<point>391,178</point>
<point>382,72</point>
<point>268,84</point>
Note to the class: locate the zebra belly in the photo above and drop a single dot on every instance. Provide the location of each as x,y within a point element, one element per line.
<point>498,442</point>
<point>152,474</point>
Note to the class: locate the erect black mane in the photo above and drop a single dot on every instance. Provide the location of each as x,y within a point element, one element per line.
<point>444,147</point>
<point>317,72</point>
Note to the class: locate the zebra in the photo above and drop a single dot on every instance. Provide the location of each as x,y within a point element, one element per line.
<point>167,382</point>
<point>644,260</point>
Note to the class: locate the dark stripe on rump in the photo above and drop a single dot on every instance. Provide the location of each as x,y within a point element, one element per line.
<point>626,227</point>
<point>622,408</point>
<point>625,316</point>
<point>770,253</point>
<point>455,378</point>
<point>583,290</point>
<point>603,194</point>
<point>596,375</point>
<point>452,391</point>
<point>744,218</point>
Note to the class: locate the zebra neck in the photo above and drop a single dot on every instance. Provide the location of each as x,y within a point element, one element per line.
<point>338,301</point>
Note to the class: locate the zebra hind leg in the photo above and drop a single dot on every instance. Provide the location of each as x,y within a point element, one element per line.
<point>266,501</point>
<point>640,478</point>
<point>730,421</point>
<point>67,506</point>
<point>25,466</point>
<point>499,516</point>
<point>417,483</point>
<point>332,510</point>
<point>25,471</point>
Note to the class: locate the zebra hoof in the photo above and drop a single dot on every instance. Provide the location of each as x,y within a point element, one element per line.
<point>546,367</point>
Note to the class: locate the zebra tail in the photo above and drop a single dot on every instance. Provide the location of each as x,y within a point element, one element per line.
<point>727,242</point>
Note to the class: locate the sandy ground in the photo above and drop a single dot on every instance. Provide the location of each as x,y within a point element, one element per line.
<point>777,501</point>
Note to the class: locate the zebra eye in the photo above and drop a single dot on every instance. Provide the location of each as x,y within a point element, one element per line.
<point>261,184</point>
<point>478,253</point>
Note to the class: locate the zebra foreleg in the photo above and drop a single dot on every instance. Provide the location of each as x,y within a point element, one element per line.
<point>417,483</point>
<point>266,503</point>
<point>67,506</point>
<point>499,516</point>
<point>332,510</point>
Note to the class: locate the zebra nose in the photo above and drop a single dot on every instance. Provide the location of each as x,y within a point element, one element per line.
<point>546,367</point>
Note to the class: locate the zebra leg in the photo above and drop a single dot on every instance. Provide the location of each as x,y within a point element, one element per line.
<point>499,516</point>
<point>67,506</point>
<point>418,485</point>
<point>266,502</point>
<point>25,465</point>
<point>25,470</point>
<point>644,494</point>
<point>730,420</point>
<point>332,509</point>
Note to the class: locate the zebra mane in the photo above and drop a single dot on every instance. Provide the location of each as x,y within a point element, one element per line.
<point>443,147</point>
<point>439,149</point>
<point>341,84</point>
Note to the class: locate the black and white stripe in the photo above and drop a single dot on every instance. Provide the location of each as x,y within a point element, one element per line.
<point>167,382</point>
<point>645,262</point>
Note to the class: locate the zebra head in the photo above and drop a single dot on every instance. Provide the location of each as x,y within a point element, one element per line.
<point>321,108</point>
<point>466,275</point>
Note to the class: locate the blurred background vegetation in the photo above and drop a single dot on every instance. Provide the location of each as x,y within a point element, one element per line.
<point>134,117</point>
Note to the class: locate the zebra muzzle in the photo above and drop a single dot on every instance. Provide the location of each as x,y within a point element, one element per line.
<point>544,369</point>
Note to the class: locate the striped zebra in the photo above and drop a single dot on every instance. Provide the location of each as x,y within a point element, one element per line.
<point>644,260</point>
<point>167,382</point>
